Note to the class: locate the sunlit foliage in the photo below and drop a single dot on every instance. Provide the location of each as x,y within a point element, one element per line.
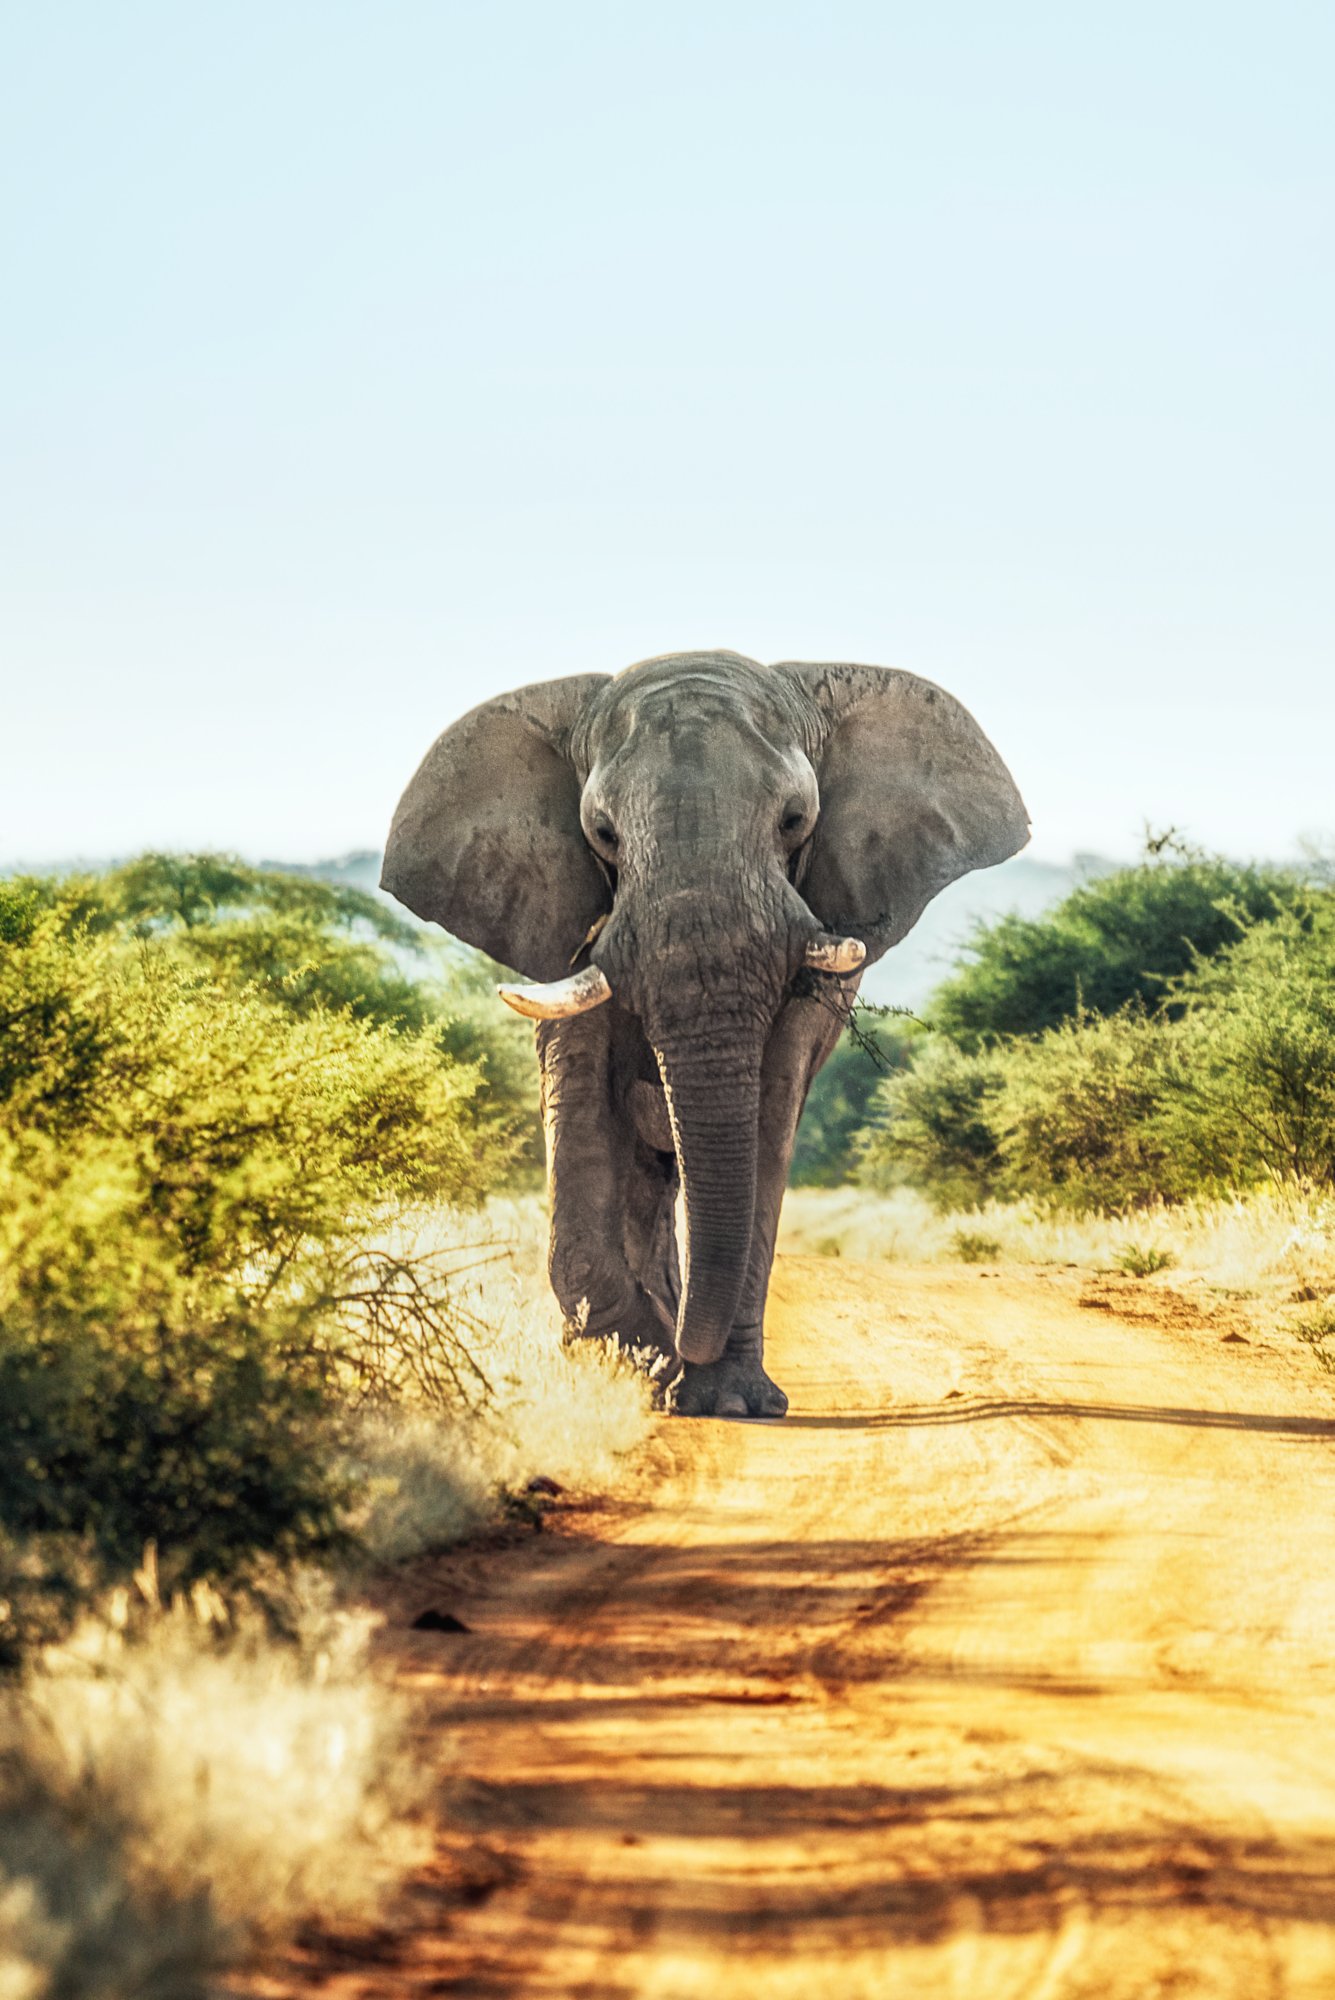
<point>1225,1082</point>
<point>841,1097</point>
<point>191,1176</point>
<point>1118,939</point>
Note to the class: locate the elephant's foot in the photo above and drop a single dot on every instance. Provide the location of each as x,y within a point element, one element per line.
<point>735,1386</point>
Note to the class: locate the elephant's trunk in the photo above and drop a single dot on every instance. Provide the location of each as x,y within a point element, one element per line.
<point>713,1102</point>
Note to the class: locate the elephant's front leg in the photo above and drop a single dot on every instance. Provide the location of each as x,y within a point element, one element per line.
<point>736,1385</point>
<point>589,1167</point>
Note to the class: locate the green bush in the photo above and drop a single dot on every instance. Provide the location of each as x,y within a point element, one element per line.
<point>840,1100</point>
<point>312,945</point>
<point>1143,1260</point>
<point>973,1246</point>
<point>194,1184</point>
<point>1080,1115</point>
<point>1229,1082</point>
<point>45,1580</point>
<point>938,1127</point>
<point>1317,1331</point>
<point>1256,1092</point>
<point>1120,939</point>
<point>475,1027</point>
<point>1071,1118</point>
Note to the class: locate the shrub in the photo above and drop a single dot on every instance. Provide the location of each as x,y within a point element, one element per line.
<point>938,1126</point>
<point>1122,938</point>
<point>192,1178</point>
<point>1317,1331</point>
<point>840,1100</point>
<point>311,945</point>
<point>44,1582</point>
<point>1256,1095</point>
<point>219,1331</point>
<point>1075,1117</point>
<point>1229,1081</point>
<point>1080,1115</point>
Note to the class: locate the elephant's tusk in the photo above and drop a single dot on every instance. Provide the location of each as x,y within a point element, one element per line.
<point>562,998</point>
<point>834,954</point>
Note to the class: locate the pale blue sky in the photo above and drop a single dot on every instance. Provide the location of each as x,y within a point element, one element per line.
<point>360,361</point>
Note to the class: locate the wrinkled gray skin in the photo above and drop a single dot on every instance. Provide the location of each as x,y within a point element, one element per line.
<point>717,814</point>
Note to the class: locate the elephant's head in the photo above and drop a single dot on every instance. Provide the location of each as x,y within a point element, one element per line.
<point>714,825</point>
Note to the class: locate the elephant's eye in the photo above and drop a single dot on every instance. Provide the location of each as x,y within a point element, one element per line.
<point>792,823</point>
<point>604,830</point>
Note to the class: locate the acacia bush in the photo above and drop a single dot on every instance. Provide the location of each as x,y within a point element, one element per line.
<point>937,1126</point>
<point>194,1178</point>
<point>1081,1115</point>
<point>1254,1092</point>
<point>316,945</point>
<point>875,1045</point>
<point>1226,1084</point>
<point>1121,939</point>
<point>253,1310</point>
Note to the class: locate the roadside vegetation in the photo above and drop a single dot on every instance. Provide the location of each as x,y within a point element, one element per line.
<point>270,1308</point>
<point>1273,1243</point>
<point>1142,1079</point>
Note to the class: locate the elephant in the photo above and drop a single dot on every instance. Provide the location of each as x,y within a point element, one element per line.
<point>692,861</point>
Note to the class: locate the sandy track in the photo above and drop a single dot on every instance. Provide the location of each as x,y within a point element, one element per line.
<point>1004,1667</point>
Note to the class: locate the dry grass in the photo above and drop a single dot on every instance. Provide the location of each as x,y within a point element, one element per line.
<point>74,1927</point>
<point>1265,1242</point>
<point>177,1785</point>
<point>430,1473</point>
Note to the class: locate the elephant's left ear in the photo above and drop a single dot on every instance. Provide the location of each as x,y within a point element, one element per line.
<point>486,840</point>
<point>912,796</point>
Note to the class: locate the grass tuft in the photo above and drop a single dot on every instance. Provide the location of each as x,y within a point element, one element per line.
<point>1142,1260</point>
<point>1317,1331</point>
<point>972,1246</point>
<point>569,1410</point>
<point>264,1775</point>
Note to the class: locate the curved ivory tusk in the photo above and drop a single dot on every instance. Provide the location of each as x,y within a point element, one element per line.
<point>562,998</point>
<point>832,954</point>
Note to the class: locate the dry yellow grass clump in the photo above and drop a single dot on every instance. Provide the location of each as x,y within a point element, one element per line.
<point>541,1405</point>
<point>267,1772</point>
<point>1279,1239</point>
<point>176,1785</point>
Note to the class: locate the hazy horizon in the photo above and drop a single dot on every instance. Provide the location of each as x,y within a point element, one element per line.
<point>1078,860</point>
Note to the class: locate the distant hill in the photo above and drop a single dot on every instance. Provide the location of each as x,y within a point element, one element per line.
<point>359,869</point>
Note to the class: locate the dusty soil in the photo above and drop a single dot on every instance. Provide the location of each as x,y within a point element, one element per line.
<point>1004,1667</point>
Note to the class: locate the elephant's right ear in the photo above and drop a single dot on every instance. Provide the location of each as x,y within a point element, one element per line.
<point>487,840</point>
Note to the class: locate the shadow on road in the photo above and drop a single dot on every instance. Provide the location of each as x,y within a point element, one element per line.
<point>980,1410</point>
<point>933,1858</point>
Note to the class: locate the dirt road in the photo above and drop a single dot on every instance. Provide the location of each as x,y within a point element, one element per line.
<point>1004,1667</point>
